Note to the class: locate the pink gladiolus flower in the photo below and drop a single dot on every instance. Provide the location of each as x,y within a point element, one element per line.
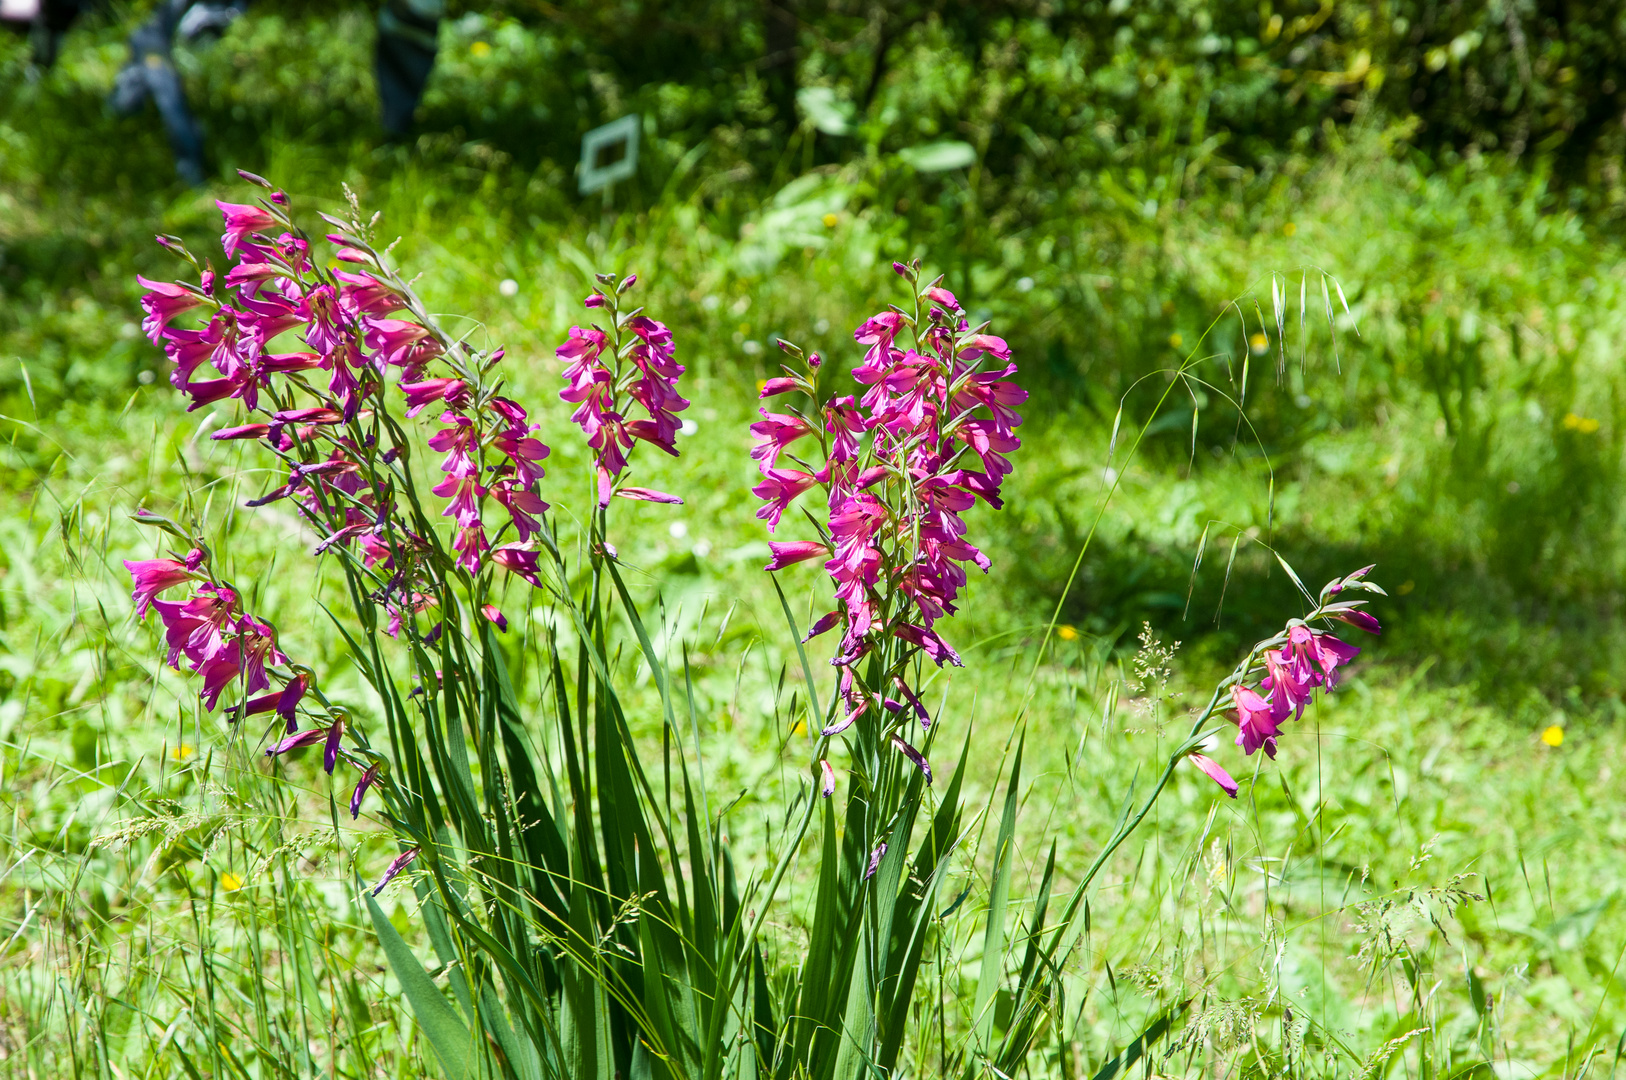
<point>1258,721</point>
<point>778,385</point>
<point>793,552</point>
<point>153,576</point>
<point>402,344</point>
<point>363,294</point>
<point>241,221</point>
<point>648,495</point>
<point>495,616</point>
<point>1305,645</point>
<point>519,562</point>
<point>1215,773</point>
<point>162,303</point>
<point>779,487</point>
<point>773,433</point>
<point>420,395</point>
<point>243,431</point>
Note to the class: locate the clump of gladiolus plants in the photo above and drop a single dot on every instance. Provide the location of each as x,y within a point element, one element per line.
<point>600,929</point>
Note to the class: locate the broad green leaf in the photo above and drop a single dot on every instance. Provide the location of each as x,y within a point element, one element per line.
<point>447,1036</point>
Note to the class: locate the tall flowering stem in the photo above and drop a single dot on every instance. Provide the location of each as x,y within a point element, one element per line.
<point>920,437</point>
<point>1268,688</point>
<point>330,362</point>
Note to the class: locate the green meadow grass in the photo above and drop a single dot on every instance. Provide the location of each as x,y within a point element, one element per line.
<point>1420,885</point>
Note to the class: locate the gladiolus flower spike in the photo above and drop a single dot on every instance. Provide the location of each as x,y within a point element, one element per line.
<point>897,458</point>
<point>610,373</point>
<point>315,405</point>
<point>1290,668</point>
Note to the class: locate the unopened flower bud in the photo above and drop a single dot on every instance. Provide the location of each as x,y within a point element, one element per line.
<point>814,360</point>
<point>632,279</point>
<point>594,301</point>
<point>254,179</point>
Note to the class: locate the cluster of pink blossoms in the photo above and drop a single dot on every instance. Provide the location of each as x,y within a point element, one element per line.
<point>1296,663</point>
<point>348,319</point>
<point>607,373</point>
<point>228,647</point>
<point>926,439</point>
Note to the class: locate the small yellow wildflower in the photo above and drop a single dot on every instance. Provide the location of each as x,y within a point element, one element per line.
<point>231,882</point>
<point>830,221</point>
<point>1289,229</point>
<point>1175,340</point>
<point>1553,736</point>
<point>1259,343</point>
<point>800,728</point>
<point>1067,633</point>
<point>480,50</point>
<point>182,752</point>
<point>1586,425</point>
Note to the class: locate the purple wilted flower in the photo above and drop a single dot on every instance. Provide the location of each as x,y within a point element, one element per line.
<point>915,756</point>
<point>828,785</point>
<point>402,861</point>
<point>299,739</point>
<point>1214,772</point>
<point>362,785</point>
<point>330,748</point>
<point>875,860</point>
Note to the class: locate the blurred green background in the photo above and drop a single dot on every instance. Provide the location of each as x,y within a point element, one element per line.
<point>1393,230</point>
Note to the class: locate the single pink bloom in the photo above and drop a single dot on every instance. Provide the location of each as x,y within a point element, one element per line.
<point>1215,773</point>
<point>1258,721</point>
<point>165,301</point>
<point>778,488</point>
<point>241,221</point>
<point>153,576</point>
<point>420,395</point>
<point>519,562</point>
<point>495,616</point>
<point>648,495</point>
<point>792,552</point>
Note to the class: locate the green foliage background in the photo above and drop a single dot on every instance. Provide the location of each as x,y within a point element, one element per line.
<point>1134,170</point>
